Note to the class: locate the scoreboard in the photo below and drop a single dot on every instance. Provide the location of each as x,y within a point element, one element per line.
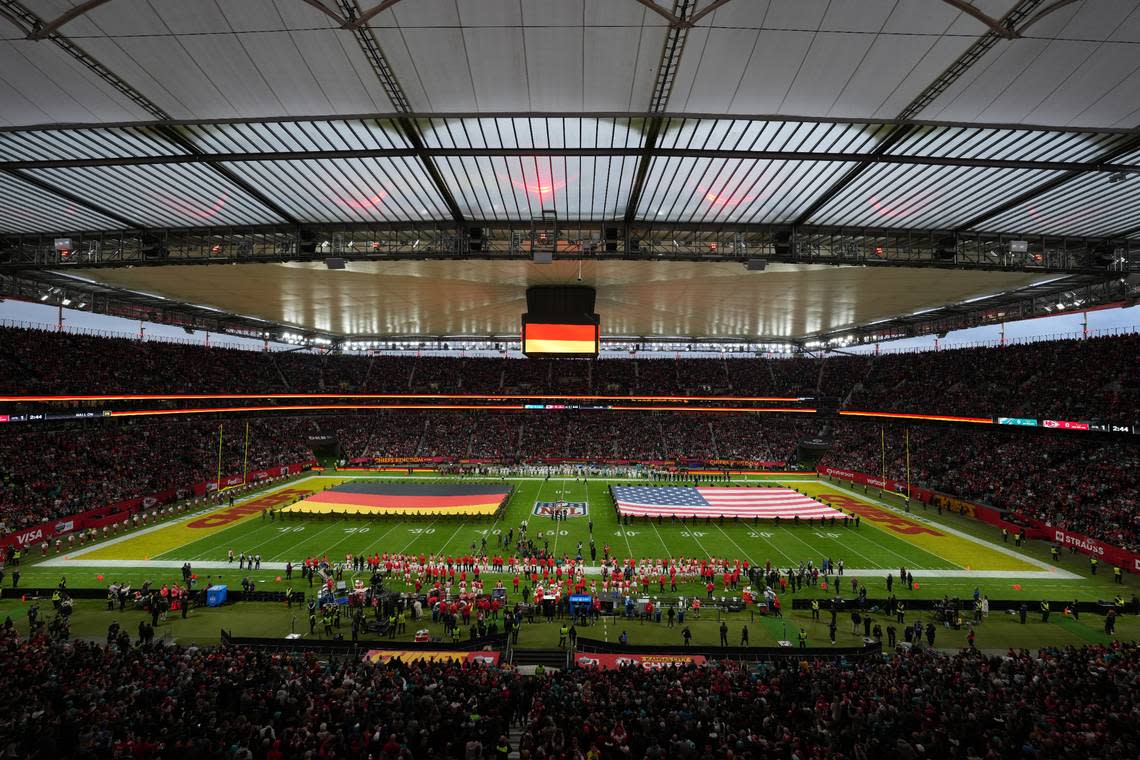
<point>560,322</point>
<point>552,339</point>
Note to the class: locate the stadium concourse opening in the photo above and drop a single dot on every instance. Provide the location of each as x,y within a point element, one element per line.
<point>577,380</point>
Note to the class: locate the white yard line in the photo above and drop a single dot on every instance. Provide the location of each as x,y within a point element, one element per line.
<point>663,544</point>
<point>181,518</point>
<point>310,538</point>
<point>856,551</point>
<point>743,553</point>
<point>1059,573</point>
<point>417,536</point>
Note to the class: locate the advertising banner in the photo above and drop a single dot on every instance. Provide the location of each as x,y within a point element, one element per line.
<point>647,661</point>
<point>111,514</point>
<point>887,484</point>
<point>1112,555</point>
<point>1107,553</point>
<point>380,656</point>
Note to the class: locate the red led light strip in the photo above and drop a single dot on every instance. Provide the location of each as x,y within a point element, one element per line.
<point>393,396</point>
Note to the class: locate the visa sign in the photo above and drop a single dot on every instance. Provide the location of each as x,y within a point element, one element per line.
<point>1017,421</point>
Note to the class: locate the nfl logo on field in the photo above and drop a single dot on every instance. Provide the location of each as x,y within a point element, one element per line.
<point>571,508</point>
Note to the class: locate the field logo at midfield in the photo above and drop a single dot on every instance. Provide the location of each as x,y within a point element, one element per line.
<point>571,508</point>
<point>238,511</point>
<point>888,520</point>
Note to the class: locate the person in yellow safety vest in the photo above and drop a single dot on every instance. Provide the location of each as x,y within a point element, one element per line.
<point>1117,574</point>
<point>539,670</point>
<point>562,636</point>
<point>1118,602</point>
<point>815,609</point>
<point>1044,611</point>
<point>1093,562</point>
<point>803,639</point>
<point>402,621</point>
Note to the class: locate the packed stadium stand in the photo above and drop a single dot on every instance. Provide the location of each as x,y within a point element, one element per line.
<point>581,340</point>
<point>1088,486</point>
<point>1032,379</point>
<point>243,703</point>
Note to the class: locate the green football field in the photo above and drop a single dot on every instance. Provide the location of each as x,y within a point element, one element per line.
<point>948,555</point>
<point>940,556</point>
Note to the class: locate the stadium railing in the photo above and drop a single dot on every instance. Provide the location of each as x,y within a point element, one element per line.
<point>743,654</point>
<point>494,643</point>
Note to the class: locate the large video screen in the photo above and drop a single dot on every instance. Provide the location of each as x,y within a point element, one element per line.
<point>560,321</point>
<point>559,339</point>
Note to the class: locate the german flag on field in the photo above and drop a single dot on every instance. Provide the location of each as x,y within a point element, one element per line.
<point>396,498</point>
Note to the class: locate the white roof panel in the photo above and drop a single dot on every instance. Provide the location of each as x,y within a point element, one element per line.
<point>43,84</point>
<point>444,77</point>
<point>1091,205</point>
<point>498,68</point>
<point>924,197</point>
<point>171,195</point>
<point>1065,71</point>
<point>554,73</point>
<point>356,190</point>
<point>717,190</point>
<point>522,187</point>
<point>28,209</point>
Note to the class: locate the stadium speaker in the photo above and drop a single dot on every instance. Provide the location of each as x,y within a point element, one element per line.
<point>612,236</point>
<point>756,265</point>
<point>544,257</point>
<point>947,248</point>
<point>307,241</point>
<point>334,263</point>
<point>782,243</point>
<point>475,239</point>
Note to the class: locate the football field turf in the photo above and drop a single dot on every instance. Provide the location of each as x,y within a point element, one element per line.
<point>886,540</point>
<point>948,555</point>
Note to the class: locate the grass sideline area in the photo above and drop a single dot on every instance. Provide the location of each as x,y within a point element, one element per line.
<point>948,554</point>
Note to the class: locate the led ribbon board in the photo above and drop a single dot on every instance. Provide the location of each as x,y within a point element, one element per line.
<point>560,321</point>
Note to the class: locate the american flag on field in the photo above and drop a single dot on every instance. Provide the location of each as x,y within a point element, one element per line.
<point>684,501</point>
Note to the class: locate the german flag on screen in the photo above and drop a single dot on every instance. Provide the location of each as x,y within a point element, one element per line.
<point>539,338</point>
<point>397,498</point>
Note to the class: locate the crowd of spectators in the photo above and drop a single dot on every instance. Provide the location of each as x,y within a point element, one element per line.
<point>53,471</point>
<point>1092,379</point>
<point>1097,378</point>
<point>1088,486</point>
<point>592,435</point>
<point>50,473</point>
<point>83,700</point>
<point>1071,703</point>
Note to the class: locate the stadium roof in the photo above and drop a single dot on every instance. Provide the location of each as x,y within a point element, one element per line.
<point>713,300</point>
<point>623,120</point>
